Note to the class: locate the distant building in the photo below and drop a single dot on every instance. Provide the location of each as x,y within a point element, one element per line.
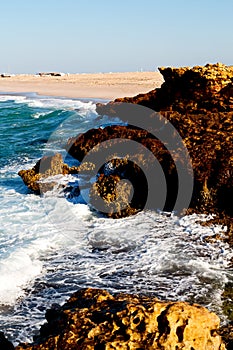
<point>50,74</point>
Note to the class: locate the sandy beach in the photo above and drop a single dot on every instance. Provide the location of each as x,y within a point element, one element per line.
<point>102,85</point>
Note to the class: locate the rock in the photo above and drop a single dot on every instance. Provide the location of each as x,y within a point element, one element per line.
<point>198,102</point>
<point>227,298</point>
<point>4,343</point>
<point>124,168</point>
<point>193,90</point>
<point>46,167</point>
<point>121,198</point>
<point>209,141</point>
<point>94,319</point>
<point>226,333</point>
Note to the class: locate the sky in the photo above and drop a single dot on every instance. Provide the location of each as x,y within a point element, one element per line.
<point>87,36</point>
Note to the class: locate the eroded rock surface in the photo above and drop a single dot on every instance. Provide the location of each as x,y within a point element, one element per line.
<point>128,168</point>
<point>45,168</point>
<point>198,102</point>
<point>94,319</point>
<point>194,90</point>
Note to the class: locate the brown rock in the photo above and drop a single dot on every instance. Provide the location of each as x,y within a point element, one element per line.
<point>227,335</point>
<point>46,167</point>
<point>193,90</point>
<point>94,319</point>
<point>198,102</point>
<point>125,168</point>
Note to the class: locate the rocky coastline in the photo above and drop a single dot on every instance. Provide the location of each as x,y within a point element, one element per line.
<point>198,102</point>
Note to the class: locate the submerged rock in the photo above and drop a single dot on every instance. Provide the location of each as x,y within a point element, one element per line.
<point>94,319</point>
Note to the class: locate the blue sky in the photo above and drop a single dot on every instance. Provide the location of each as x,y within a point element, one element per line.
<point>79,36</point>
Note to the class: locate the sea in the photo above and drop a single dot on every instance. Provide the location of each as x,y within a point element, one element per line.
<point>54,244</point>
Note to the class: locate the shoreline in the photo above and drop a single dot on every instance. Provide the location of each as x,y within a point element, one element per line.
<point>108,86</point>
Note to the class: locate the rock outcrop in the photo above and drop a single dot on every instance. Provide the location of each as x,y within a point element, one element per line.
<point>94,319</point>
<point>194,90</point>
<point>39,179</point>
<point>198,102</point>
<point>113,171</point>
<point>227,335</point>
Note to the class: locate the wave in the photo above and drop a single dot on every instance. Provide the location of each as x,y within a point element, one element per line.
<point>36,101</point>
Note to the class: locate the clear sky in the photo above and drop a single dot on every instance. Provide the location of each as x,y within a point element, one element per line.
<point>79,36</point>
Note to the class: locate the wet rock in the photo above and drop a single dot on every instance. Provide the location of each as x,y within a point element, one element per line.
<point>94,319</point>
<point>126,168</point>
<point>226,333</point>
<point>209,141</point>
<point>198,102</point>
<point>228,301</point>
<point>45,168</point>
<point>119,189</point>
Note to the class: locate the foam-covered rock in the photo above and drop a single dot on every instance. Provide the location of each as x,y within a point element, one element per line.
<point>46,167</point>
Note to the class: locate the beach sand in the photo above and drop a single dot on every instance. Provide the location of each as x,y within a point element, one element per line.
<point>101,85</point>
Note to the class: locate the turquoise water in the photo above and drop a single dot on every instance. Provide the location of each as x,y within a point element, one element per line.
<point>51,246</point>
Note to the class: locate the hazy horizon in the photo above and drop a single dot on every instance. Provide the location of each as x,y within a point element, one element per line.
<point>90,37</point>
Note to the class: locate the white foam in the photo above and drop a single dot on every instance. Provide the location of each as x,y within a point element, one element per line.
<point>50,102</point>
<point>59,103</point>
<point>16,98</point>
<point>16,271</point>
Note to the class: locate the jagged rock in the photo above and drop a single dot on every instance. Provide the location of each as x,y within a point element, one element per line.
<point>46,167</point>
<point>121,198</point>
<point>198,102</point>
<point>209,141</point>
<point>94,319</point>
<point>227,297</point>
<point>193,90</point>
<point>50,74</point>
<point>105,186</point>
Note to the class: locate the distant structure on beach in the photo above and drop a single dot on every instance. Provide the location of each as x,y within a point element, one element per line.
<point>50,74</point>
<point>6,75</point>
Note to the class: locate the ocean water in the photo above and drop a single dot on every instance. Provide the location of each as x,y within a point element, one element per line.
<point>50,246</point>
